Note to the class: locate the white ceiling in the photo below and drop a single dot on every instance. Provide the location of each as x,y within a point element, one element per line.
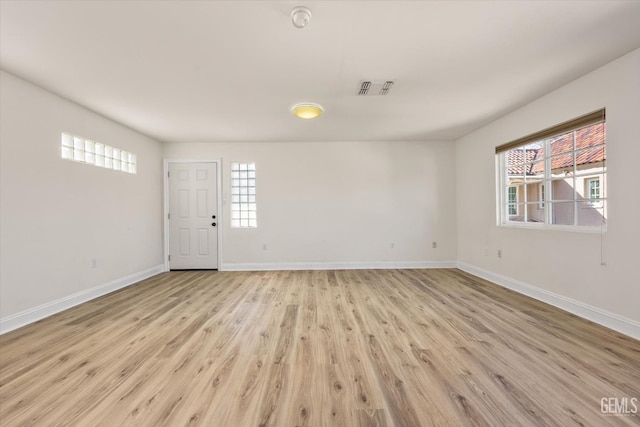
<point>231,70</point>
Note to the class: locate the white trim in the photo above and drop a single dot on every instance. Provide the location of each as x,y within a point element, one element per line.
<point>613,321</point>
<point>618,323</point>
<point>270,266</point>
<point>15,321</point>
<point>556,227</point>
<point>165,212</point>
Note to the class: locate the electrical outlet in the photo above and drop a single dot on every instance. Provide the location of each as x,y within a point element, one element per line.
<point>499,253</point>
<point>434,245</point>
<point>94,263</point>
<point>393,245</point>
<point>264,246</point>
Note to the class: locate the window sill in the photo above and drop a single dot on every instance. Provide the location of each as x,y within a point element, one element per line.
<point>547,227</point>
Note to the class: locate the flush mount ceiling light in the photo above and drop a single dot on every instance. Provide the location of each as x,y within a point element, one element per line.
<point>307,110</point>
<point>300,16</point>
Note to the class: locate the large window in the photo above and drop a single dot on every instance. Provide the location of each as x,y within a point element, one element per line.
<point>243,195</point>
<point>555,177</point>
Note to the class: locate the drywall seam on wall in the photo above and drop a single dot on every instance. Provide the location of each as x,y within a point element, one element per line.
<point>32,315</point>
<point>617,323</point>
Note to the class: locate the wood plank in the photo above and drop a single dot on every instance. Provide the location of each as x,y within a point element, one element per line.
<point>319,348</point>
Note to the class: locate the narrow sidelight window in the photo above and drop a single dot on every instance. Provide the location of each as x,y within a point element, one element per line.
<point>243,195</point>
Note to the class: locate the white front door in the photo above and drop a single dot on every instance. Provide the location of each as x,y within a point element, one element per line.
<point>193,216</point>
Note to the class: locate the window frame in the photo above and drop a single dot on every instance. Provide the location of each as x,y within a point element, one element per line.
<point>595,202</point>
<point>243,206</point>
<point>84,150</point>
<point>545,199</point>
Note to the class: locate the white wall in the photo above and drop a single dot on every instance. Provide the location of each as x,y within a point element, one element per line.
<point>340,204</point>
<point>566,264</point>
<point>58,215</point>
<point>318,203</point>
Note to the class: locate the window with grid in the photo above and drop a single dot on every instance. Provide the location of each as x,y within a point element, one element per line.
<point>84,150</point>
<point>243,195</point>
<point>592,189</point>
<point>512,194</point>
<point>556,177</point>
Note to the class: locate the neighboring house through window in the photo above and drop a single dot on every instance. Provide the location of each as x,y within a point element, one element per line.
<point>513,200</point>
<point>592,190</point>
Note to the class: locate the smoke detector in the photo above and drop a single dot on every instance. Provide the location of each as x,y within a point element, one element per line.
<point>374,88</point>
<point>300,16</point>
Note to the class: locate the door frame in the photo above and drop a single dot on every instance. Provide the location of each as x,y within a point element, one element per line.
<point>165,210</point>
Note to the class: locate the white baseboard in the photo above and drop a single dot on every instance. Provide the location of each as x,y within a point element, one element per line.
<point>613,321</point>
<point>31,315</point>
<point>388,265</point>
<point>617,323</point>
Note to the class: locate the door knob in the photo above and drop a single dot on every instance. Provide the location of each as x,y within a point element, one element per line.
<point>213,224</point>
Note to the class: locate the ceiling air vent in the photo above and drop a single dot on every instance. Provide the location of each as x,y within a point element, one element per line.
<point>371,88</point>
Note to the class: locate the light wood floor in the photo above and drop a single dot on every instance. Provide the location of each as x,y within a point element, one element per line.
<point>319,348</point>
